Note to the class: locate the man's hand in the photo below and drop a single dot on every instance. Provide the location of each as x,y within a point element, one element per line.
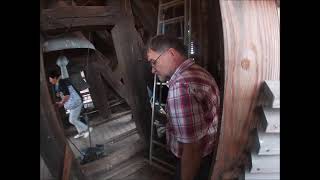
<point>190,160</point>
<point>64,99</point>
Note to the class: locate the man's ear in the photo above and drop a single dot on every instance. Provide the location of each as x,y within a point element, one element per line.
<point>172,51</point>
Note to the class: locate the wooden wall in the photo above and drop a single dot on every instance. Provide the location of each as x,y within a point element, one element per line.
<point>251,45</point>
<point>52,139</point>
<point>128,76</point>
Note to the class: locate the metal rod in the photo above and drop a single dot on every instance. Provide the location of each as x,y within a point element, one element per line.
<point>190,28</point>
<point>185,24</point>
<point>163,83</point>
<point>87,121</point>
<point>159,104</point>
<point>158,25</point>
<point>152,116</point>
<point>173,20</point>
<point>160,94</point>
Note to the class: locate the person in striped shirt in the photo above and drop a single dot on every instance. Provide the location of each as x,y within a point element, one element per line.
<point>192,107</point>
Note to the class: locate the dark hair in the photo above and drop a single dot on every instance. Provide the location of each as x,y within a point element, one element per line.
<point>160,43</point>
<point>54,73</point>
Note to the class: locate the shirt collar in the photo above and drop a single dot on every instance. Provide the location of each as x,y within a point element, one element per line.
<point>183,66</point>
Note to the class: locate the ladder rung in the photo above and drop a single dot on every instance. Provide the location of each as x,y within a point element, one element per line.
<point>171,3</point>
<point>159,143</point>
<point>163,162</point>
<point>156,103</point>
<point>172,20</point>
<point>164,84</point>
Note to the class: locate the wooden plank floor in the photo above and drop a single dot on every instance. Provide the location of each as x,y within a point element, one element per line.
<point>135,168</point>
<point>148,172</point>
<point>44,171</point>
<point>103,133</point>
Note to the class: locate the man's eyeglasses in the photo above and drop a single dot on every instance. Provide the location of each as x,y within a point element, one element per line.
<point>154,62</point>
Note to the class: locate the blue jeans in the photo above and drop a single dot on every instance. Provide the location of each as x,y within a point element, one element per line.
<point>74,119</point>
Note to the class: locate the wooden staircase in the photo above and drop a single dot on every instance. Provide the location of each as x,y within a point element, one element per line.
<point>264,160</point>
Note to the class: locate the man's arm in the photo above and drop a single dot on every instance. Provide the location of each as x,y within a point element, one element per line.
<point>190,160</point>
<point>63,100</point>
<point>63,87</point>
<point>189,127</point>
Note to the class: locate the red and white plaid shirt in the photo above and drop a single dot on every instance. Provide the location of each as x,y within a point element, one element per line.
<point>192,108</point>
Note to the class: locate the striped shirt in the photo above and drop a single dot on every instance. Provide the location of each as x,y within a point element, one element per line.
<point>192,108</point>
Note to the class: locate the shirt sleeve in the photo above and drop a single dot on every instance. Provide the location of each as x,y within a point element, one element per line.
<point>186,112</point>
<point>63,87</point>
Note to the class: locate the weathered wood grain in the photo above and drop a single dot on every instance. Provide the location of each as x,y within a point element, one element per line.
<point>251,55</point>
<point>128,45</point>
<point>78,16</point>
<point>67,162</point>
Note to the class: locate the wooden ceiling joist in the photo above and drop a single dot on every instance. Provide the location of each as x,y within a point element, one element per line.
<point>79,17</point>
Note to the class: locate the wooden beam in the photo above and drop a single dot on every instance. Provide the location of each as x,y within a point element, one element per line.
<point>251,39</point>
<point>125,6</point>
<point>101,65</point>
<point>44,171</point>
<point>78,16</point>
<point>52,142</point>
<point>147,14</point>
<point>128,45</point>
<point>67,163</point>
<point>52,138</point>
<point>113,77</point>
<point>98,89</point>
<point>106,37</point>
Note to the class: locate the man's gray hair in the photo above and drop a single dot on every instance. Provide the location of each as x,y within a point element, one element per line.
<point>160,43</point>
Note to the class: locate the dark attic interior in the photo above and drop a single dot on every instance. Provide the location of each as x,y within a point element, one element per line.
<point>100,46</point>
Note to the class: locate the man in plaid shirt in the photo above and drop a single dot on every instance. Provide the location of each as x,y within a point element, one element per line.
<point>192,107</point>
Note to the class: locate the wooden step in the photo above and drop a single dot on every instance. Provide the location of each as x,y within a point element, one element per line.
<point>271,94</point>
<point>266,143</point>
<point>260,176</point>
<point>123,170</point>
<point>270,120</point>
<point>265,163</point>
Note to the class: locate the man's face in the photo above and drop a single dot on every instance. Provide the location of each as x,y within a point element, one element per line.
<point>160,63</point>
<point>53,80</point>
